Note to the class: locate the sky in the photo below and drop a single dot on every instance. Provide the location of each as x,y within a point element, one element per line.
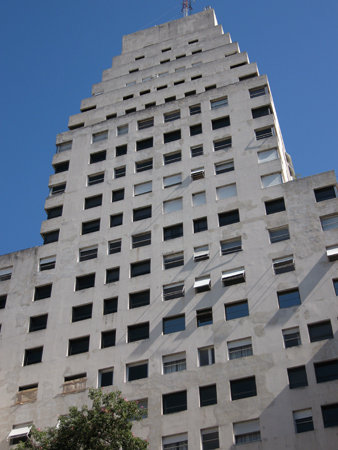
<point>52,52</point>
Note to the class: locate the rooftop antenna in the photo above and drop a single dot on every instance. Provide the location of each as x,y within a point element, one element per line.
<point>186,7</point>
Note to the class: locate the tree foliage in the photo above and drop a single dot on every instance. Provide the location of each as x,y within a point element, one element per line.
<point>107,425</point>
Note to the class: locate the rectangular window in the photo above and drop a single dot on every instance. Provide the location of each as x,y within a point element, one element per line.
<point>111,116</point>
<point>190,93</point>
<point>48,238</point>
<point>279,234</point>
<point>85,282</point>
<point>159,88</point>
<point>137,371</point>
<point>330,415</point>
<point>228,218</point>
<point>271,180</point>
<point>143,188</point>
<point>138,332</point>
<point>335,286</point>
<point>145,123</point>
<point>121,130</point>
<point>172,205</point>
<point>326,371</point>
<point>170,99</point>
<point>196,77</point>
<point>208,395</point>
<point>288,298</point>
<point>202,284</point>
<point>261,111</point>
<point>173,232</point>
<point>224,167</point>
<point>174,363</point>
<point>212,86</point>
<point>221,122</point>
<point>139,268</point>
<point>141,240</point>
<point>275,206</point>
<point>172,291</point>
<point>329,223</point>
<point>138,299</point>
<point>245,432</point>
<point>201,252</point>
<point>326,193</point>
<point>91,227</point>
<point>204,317</point>
<point>116,220</point>
<point>118,195</point>
<point>38,323</point>
<point>27,394</point>
<point>150,105</point>
<point>303,420</point>
<point>93,202</point>
<point>175,402</point>
<point>112,275</point>
<point>223,144</point>
<point>195,109</point>
<point>231,246</point>
<point>199,198</point>
<point>52,213</point>
<point>110,306</point>
<point>79,345</point>
<point>265,133</point>
<point>33,356</point>
<point>42,292</point>
<point>283,265</point>
<point>180,56</point>
<point>61,167</point>
<point>172,136</point>
<point>198,173</point>
<point>231,277</point>
<point>144,144</point>
<point>219,103</point>
<point>267,156</point>
<point>177,442</point>
<point>206,356</point>
<point>3,299</point>
<point>82,312</point>
<point>114,246</point>
<point>195,129</point>
<point>128,97</point>
<point>60,148</point>
<point>210,439</point>
<point>236,310</point>
<point>98,137</point>
<point>6,274</point>
<point>171,116</point>
<point>320,331</point>
<point>57,190</point>
<point>98,157</point>
<point>240,348</point>
<point>121,150</point>
<point>172,180</point>
<point>174,324</point>
<point>106,377</point>
<point>95,179</point>
<point>258,91</point>
<point>297,377</point>
<point>173,260</point>
<point>196,151</point>
<point>141,213</point>
<point>75,383</point>
<point>243,388</point>
<point>108,338</point>
<point>170,158</point>
<point>291,337</point>
<point>226,191</point>
<point>142,166</point>
<point>332,253</point>
<point>200,225</point>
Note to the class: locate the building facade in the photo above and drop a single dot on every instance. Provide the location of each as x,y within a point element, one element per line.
<point>182,263</point>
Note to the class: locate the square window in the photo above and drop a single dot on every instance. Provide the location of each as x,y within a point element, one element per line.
<point>326,371</point>
<point>52,213</point>
<point>206,356</point>
<point>120,172</point>
<point>95,179</point>
<point>326,193</point>
<point>33,356</point>
<point>171,158</point>
<point>138,299</point>
<point>98,157</point>
<point>173,232</point>
<point>283,265</point>
<point>61,167</point>
<point>245,432</point>
<point>142,166</point>
<point>114,246</point>
<point>195,109</point>
<point>297,377</point>
<point>27,394</point>
<point>320,331</point>
<point>172,180</point>
<point>231,246</point>
<point>204,317</point>
<point>141,213</point>
<point>330,415</point>
<point>82,312</point>
<point>38,323</point>
<point>174,324</point>
<point>118,195</point>
<point>141,240</point>
<point>236,310</point>
<point>93,202</point>
<point>48,238</point>
<point>274,206</point>
<point>279,234</point>
<point>139,268</point>
<point>145,123</point>
<point>172,205</point>
<point>210,439</point>
<point>98,137</point>
<point>91,227</point>
<point>221,122</point>
<point>143,188</point>
<point>195,129</point>
<point>200,225</point>
<point>228,218</point>
<point>303,420</point>
<point>271,180</point>
<point>121,150</point>
<point>202,284</point>
<point>291,337</point>
<point>109,306</point>
<point>201,252</point>
<point>329,223</point>
<point>171,116</point>
<point>42,292</point>
<point>243,388</point>
<point>112,275</point>
<point>85,282</point>
<point>231,277</point>
<point>19,433</point>
<point>138,332</point>
<point>121,130</point>
<point>79,345</point>
<point>289,298</point>
<point>47,263</point>
<point>174,402</point>
<point>196,151</point>
<point>226,191</point>
<point>172,136</point>
<point>172,291</point>
<point>199,198</point>
<point>137,371</point>
<point>197,174</point>
<point>57,190</point>
<point>108,338</point>
<point>144,144</point>
<point>174,363</point>
<point>208,395</point>
<point>173,260</point>
<point>240,348</point>
<point>106,377</point>
<point>223,144</point>
<point>116,220</point>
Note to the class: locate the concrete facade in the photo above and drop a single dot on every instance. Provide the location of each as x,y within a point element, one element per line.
<point>209,216</point>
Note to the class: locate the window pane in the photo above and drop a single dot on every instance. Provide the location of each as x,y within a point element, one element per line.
<point>174,324</point>
<point>236,310</point>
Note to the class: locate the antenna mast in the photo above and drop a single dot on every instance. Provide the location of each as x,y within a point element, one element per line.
<point>186,7</point>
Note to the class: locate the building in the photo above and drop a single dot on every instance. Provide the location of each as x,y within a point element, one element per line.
<point>182,262</point>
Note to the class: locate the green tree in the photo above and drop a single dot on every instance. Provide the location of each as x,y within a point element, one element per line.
<point>107,425</point>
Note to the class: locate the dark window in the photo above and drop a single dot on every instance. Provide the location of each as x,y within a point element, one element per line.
<point>275,206</point>
<point>173,232</point>
<point>121,150</point>
<point>238,65</point>
<point>127,97</point>
<point>59,189</point>
<point>98,156</point>
<point>85,282</point>
<point>288,298</point>
<point>173,260</point>
<point>208,395</point>
<point>330,415</point>
<point>82,312</point>
<point>261,111</point>
<point>92,202</point>
<point>79,345</point>
<point>172,291</point>
<point>3,299</point>
<point>173,115</point>
<point>147,91</point>
<point>206,356</point>
<point>246,387</point>
<point>42,292</point>
<point>188,94</point>
<point>208,88</point>
<point>220,123</point>
<point>204,317</point>
<point>236,310</point>
<point>164,61</point>
<point>138,299</point>
<point>227,218</point>
<point>141,213</point>
<point>297,377</point>
<point>142,166</point>
<point>131,110</point>
<point>139,57</point>
<point>175,402</point>
<point>114,246</point>
<point>138,332</point>
<point>304,423</point>
<point>170,99</point>
<point>326,193</point>
<point>112,275</point>
<point>162,87</point>
<point>193,42</point>
<point>38,323</point>
<point>120,172</point>
<point>143,145</point>
<point>109,306</point>
<point>196,77</point>
<point>141,240</point>
<point>335,285</point>
<point>52,213</point>
<point>196,151</point>
<point>52,236</point>
<point>280,234</point>
<point>172,158</point>
<point>145,123</point>
<point>108,338</point>
<point>33,356</point>
<point>257,92</point>
<point>95,179</point>
<point>166,49</point>
<point>195,109</point>
<point>150,105</point>
<point>223,144</point>
<point>86,254</point>
<point>210,439</point>
<point>91,227</point>
<point>200,225</point>
<point>61,167</point>
<point>139,268</point>
<point>118,195</point>
<point>137,371</point>
<point>326,371</point>
<point>264,133</point>
<point>180,56</point>
<point>174,324</point>
<point>196,129</point>
<point>106,378</point>
<point>111,116</point>
<point>247,77</point>
<point>172,136</point>
<point>116,220</point>
<point>291,338</point>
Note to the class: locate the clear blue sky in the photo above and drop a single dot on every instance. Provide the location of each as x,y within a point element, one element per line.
<point>52,51</point>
